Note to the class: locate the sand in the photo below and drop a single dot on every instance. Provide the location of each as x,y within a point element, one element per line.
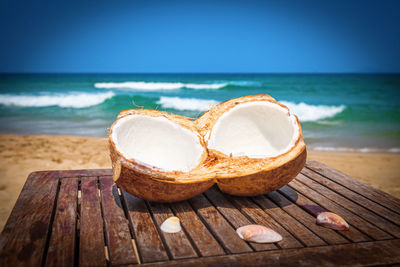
<point>21,155</point>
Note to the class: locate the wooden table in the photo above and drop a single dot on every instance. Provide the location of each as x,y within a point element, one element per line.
<point>80,217</point>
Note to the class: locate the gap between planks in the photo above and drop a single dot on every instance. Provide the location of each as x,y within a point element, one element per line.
<point>106,247</point>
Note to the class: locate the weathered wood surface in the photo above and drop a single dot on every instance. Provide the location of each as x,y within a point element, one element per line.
<point>217,224</point>
<point>356,254</point>
<point>120,246</point>
<point>23,240</point>
<point>233,215</point>
<point>355,185</point>
<point>149,242</point>
<point>91,246</point>
<point>198,232</point>
<point>178,243</point>
<point>81,218</point>
<point>62,241</point>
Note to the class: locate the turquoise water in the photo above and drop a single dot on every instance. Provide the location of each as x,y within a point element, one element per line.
<point>337,112</point>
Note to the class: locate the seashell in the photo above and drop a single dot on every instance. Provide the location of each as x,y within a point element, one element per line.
<point>258,233</point>
<point>171,225</point>
<point>332,220</point>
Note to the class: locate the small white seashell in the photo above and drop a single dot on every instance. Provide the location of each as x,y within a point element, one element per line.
<point>258,233</point>
<point>332,220</point>
<point>171,225</point>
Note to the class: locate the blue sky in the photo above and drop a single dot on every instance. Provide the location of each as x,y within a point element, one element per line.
<point>200,36</point>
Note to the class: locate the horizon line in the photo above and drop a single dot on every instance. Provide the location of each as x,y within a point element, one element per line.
<point>267,73</point>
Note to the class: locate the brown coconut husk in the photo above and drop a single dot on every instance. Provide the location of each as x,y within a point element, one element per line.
<point>240,176</point>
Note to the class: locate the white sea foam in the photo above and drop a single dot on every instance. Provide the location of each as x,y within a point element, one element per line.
<point>72,100</point>
<point>304,111</point>
<point>307,112</point>
<point>186,103</point>
<point>157,86</point>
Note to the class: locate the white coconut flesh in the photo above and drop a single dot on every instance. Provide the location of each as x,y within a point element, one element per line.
<point>157,142</point>
<point>258,129</point>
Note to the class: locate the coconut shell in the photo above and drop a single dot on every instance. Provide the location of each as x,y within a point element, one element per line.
<point>240,176</point>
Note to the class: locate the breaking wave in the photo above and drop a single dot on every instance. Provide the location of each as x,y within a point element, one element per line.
<point>157,86</point>
<point>304,111</point>
<point>161,86</point>
<point>72,100</point>
<point>307,112</point>
<point>178,103</point>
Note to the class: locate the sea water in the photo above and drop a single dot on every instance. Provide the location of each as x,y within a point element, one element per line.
<point>340,112</point>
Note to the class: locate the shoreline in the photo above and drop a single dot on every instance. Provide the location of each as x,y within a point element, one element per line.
<point>23,154</point>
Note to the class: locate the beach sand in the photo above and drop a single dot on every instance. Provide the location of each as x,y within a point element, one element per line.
<point>21,155</point>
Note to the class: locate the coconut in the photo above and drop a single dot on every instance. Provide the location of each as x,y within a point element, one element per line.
<point>249,146</point>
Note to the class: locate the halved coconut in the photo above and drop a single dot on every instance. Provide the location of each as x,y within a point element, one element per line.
<point>256,142</point>
<point>250,145</point>
<point>153,152</point>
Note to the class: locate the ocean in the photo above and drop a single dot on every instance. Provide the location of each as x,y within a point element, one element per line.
<point>338,112</point>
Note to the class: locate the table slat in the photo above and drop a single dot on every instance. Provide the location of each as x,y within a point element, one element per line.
<point>204,240</point>
<point>260,217</point>
<point>352,234</point>
<point>289,223</point>
<point>329,235</point>
<point>359,199</point>
<point>355,185</point>
<point>219,226</point>
<point>178,243</point>
<point>62,241</point>
<point>23,239</point>
<point>359,254</point>
<point>364,213</point>
<point>233,215</point>
<point>148,240</point>
<point>91,242</point>
<point>350,217</point>
<point>118,236</point>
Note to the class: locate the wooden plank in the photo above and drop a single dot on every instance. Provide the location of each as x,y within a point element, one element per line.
<point>148,241</point>
<point>350,217</point>
<point>364,213</point>
<point>293,226</point>
<point>178,244</point>
<point>221,229</point>
<point>355,254</point>
<point>329,235</point>
<point>91,242</point>
<point>260,217</point>
<point>233,215</point>
<point>361,200</point>
<point>352,234</point>
<point>118,236</point>
<point>355,185</point>
<point>83,173</point>
<point>23,239</point>
<point>62,241</point>
<point>203,239</point>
